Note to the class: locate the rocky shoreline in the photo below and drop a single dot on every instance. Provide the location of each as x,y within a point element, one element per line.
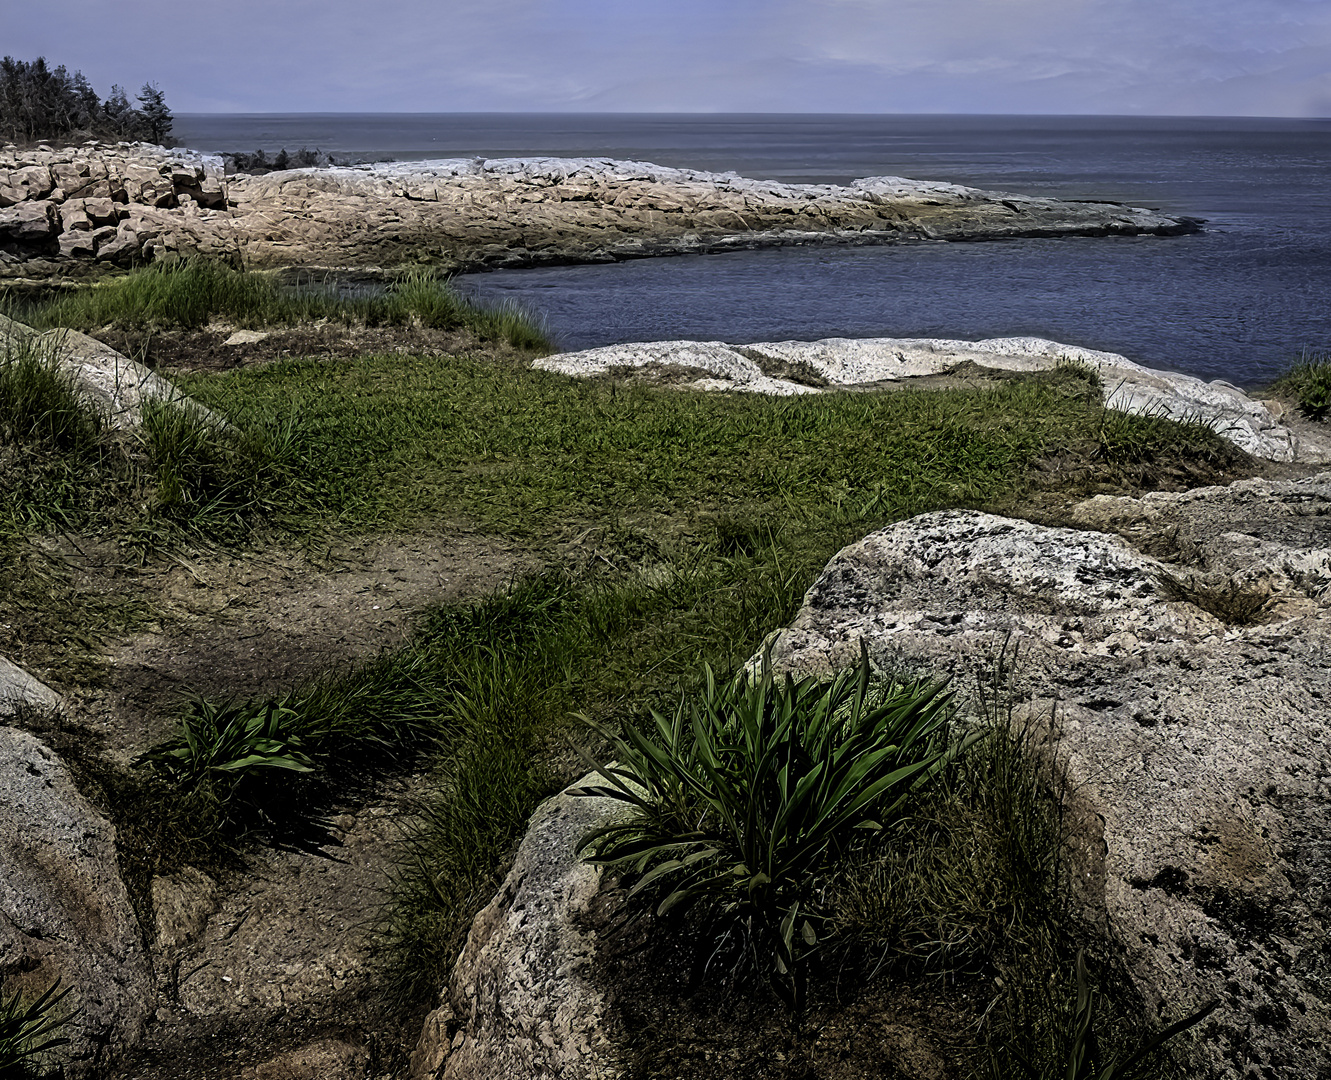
<point>75,211</point>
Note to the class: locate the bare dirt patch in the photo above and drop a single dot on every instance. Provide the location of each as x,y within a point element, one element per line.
<point>256,625</point>
<point>208,349</point>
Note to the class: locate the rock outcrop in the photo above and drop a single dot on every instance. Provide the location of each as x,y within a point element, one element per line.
<point>64,912</point>
<point>521,1003</point>
<point>61,209</point>
<point>109,204</point>
<point>810,367</point>
<point>1181,668</point>
<point>18,688</point>
<point>1200,743</point>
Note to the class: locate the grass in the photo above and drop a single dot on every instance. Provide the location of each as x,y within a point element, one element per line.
<point>27,1031</point>
<point>1308,382</point>
<point>389,441</point>
<point>190,294</point>
<point>684,528</point>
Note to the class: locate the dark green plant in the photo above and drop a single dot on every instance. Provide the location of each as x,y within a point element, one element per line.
<point>40,403</point>
<point>1309,383</point>
<point>747,796</point>
<point>230,747</point>
<point>1083,1060</point>
<point>24,1030</point>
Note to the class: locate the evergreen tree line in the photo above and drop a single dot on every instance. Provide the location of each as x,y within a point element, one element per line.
<point>38,103</point>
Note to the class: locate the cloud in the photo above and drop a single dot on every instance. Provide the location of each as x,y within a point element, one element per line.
<point>1254,56</point>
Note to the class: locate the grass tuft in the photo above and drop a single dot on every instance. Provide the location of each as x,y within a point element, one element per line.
<point>40,403</point>
<point>191,293</point>
<point>1309,383</point>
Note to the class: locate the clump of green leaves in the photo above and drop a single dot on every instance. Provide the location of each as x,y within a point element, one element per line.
<point>25,1031</point>
<point>1309,383</point>
<point>230,750</point>
<point>752,790</point>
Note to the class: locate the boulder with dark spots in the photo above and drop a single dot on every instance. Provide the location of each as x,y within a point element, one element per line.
<point>64,911</point>
<point>522,1003</point>
<point>1194,726</point>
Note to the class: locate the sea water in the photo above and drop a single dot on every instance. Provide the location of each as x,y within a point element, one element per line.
<point>1238,301</point>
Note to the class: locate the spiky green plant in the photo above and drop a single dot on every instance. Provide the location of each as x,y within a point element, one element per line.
<point>24,1031</point>
<point>748,793</point>
<point>224,748</point>
<point>40,403</point>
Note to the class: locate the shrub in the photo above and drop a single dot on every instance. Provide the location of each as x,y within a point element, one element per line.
<point>24,1030</point>
<point>747,796</point>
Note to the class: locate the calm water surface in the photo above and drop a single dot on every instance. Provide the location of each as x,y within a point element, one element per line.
<point>1238,301</point>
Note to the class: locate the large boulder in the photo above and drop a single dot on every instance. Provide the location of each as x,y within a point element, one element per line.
<point>116,386</point>
<point>521,1004</point>
<point>1189,694</point>
<point>64,912</point>
<point>28,222</point>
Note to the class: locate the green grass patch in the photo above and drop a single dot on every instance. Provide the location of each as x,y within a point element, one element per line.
<point>1309,383</point>
<point>189,294</point>
<point>390,441</point>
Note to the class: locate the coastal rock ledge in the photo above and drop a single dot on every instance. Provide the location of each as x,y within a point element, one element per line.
<point>1259,428</point>
<point>65,208</point>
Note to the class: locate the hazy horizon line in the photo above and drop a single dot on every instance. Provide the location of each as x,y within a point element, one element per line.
<point>750,112</point>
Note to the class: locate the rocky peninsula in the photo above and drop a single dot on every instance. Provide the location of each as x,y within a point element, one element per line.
<point>66,211</point>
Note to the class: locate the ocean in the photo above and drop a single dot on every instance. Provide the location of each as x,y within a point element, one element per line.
<point>1239,301</point>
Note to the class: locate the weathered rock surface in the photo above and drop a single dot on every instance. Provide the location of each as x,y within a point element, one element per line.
<point>809,367</point>
<point>521,1002</point>
<point>64,912</point>
<point>18,688</point>
<point>114,384</point>
<point>1202,746</point>
<point>473,214</point>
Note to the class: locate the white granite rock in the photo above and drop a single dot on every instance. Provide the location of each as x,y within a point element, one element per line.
<point>849,362</point>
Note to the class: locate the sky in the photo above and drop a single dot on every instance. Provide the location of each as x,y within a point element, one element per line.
<point>1150,57</point>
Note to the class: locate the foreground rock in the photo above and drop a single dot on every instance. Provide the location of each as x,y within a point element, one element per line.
<point>810,367</point>
<point>1201,745</point>
<point>64,912</point>
<point>521,1002</point>
<point>133,202</point>
<point>19,689</point>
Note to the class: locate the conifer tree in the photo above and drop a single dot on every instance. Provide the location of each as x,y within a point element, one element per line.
<point>156,116</point>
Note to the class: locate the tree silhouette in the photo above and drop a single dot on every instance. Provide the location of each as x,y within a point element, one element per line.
<point>156,116</point>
